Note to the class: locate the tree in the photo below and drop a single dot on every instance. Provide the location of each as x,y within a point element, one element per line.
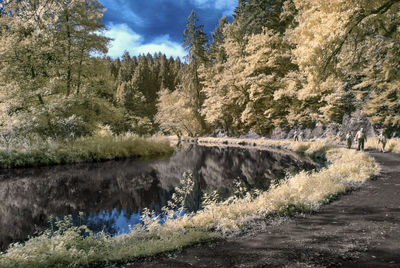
<point>46,51</point>
<point>256,86</point>
<point>146,81</point>
<point>195,43</point>
<point>351,49</point>
<point>255,15</point>
<point>175,113</point>
<point>217,52</point>
<point>126,67</point>
<point>77,35</point>
<point>268,63</point>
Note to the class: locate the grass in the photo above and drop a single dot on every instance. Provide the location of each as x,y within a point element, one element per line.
<point>68,248</point>
<point>306,191</point>
<point>98,148</point>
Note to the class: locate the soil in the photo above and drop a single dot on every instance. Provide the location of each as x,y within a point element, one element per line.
<point>361,229</point>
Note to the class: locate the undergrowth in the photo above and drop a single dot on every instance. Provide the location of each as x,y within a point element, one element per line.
<point>172,230</point>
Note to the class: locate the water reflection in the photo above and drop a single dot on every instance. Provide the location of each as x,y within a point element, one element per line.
<point>112,194</point>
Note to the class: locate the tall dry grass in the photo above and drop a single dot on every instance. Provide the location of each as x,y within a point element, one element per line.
<point>392,145</point>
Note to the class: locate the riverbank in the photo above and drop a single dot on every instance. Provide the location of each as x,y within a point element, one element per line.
<point>93,149</point>
<point>361,229</point>
<point>392,145</point>
<point>304,192</point>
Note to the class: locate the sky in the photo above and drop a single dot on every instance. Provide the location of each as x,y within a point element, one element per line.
<point>150,26</point>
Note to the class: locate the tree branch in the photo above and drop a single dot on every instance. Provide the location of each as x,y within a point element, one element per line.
<point>382,9</point>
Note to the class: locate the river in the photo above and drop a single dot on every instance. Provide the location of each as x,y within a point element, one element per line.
<point>111,195</point>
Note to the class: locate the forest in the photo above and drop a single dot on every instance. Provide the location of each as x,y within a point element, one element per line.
<point>276,64</point>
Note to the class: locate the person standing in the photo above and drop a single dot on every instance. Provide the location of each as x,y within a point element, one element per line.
<point>295,136</point>
<point>349,140</point>
<point>382,141</point>
<point>361,139</point>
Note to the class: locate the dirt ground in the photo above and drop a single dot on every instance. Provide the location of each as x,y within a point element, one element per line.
<point>361,229</point>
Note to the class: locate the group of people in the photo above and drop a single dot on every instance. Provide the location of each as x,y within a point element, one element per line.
<point>361,138</point>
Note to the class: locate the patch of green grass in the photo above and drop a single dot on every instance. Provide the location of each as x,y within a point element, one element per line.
<point>99,148</point>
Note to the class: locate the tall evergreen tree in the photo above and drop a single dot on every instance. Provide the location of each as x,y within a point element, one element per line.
<point>217,52</point>
<point>195,41</point>
<point>126,68</point>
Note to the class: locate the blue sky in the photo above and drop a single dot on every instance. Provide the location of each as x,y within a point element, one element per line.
<point>142,26</point>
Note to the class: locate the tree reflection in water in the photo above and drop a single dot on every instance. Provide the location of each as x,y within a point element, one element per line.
<point>112,194</point>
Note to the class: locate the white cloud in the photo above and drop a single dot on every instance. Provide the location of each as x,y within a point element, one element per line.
<point>125,39</point>
<point>227,5</point>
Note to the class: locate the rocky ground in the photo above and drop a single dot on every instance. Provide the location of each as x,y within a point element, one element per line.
<point>361,229</point>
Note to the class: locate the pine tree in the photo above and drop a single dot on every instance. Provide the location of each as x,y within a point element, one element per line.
<point>126,67</point>
<point>217,52</point>
<point>195,42</point>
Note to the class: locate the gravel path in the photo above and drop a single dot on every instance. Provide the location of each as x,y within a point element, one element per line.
<point>361,229</point>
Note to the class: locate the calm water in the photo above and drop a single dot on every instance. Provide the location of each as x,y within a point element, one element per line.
<point>112,194</point>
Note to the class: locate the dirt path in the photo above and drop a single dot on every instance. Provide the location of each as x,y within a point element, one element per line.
<point>361,229</point>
